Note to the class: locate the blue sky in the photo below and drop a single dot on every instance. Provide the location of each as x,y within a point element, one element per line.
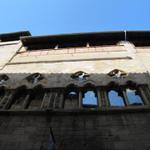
<point>71,16</point>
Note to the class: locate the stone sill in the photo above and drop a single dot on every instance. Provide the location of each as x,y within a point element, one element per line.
<point>83,111</point>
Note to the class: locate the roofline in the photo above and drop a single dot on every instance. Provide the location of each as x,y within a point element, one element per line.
<point>84,33</point>
<point>73,37</point>
<point>68,34</point>
<point>137,37</point>
<point>12,36</point>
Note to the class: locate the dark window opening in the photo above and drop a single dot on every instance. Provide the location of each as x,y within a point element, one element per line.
<point>145,90</point>
<point>2,94</point>
<point>116,98</point>
<point>3,78</point>
<point>36,98</point>
<point>18,98</point>
<point>134,96</point>
<point>72,94</point>
<point>71,97</point>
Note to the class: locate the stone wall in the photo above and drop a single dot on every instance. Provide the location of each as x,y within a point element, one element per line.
<point>8,50</point>
<point>95,61</point>
<point>105,128</point>
<point>118,131</point>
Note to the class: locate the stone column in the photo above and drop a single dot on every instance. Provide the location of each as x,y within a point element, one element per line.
<point>5,99</point>
<point>61,100</point>
<point>26,101</point>
<point>99,97</point>
<point>105,99</point>
<point>125,98</point>
<point>146,101</point>
<point>46,99</point>
<point>80,99</point>
<point>8,99</point>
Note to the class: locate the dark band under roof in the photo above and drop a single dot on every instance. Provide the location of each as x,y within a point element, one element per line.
<point>13,36</point>
<point>139,38</point>
<point>103,37</point>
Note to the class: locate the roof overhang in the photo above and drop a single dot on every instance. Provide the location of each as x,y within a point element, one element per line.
<point>13,36</point>
<point>101,37</point>
<point>138,38</point>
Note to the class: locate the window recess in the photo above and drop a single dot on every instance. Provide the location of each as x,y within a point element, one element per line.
<point>116,98</point>
<point>71,97</point>
<point>134,96</point>
<point>89,97</point>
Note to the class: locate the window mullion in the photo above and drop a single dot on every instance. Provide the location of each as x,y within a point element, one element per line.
<point>26,101</point>
<point>99,97</point>
<point>125,98</point>
<point>143,95</point>
<point>106,102</point>
<point>80,99</point>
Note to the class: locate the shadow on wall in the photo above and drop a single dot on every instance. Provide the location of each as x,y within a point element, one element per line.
<point>59,91</point>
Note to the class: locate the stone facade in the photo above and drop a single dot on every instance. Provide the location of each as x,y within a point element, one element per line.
<point>38,74</point>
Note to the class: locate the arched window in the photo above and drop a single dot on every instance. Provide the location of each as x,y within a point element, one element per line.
<point>117,73</point>
<point>133,94</point>
<point>80,76</point>
<point>115,98</point>
<point>34,78</point>
<point>89,96</point>
<point>36,98</point>
<point>71,97</point>
<point>115,95</point>
<point>3,78</point>
<point>19,98</point>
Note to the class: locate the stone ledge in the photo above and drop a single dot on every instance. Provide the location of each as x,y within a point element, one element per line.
<point>114,110</point>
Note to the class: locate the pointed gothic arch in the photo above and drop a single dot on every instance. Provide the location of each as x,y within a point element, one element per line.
<point>35,78</point>
<point>80,75</point>
<point>133,93</point>
<point>36,97</point>
<point>89,96</point>
<point>71,96</point>
<point>18,98</point>
<point>117,73</point>
<point>3,78</point>
<point>115,95</point>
